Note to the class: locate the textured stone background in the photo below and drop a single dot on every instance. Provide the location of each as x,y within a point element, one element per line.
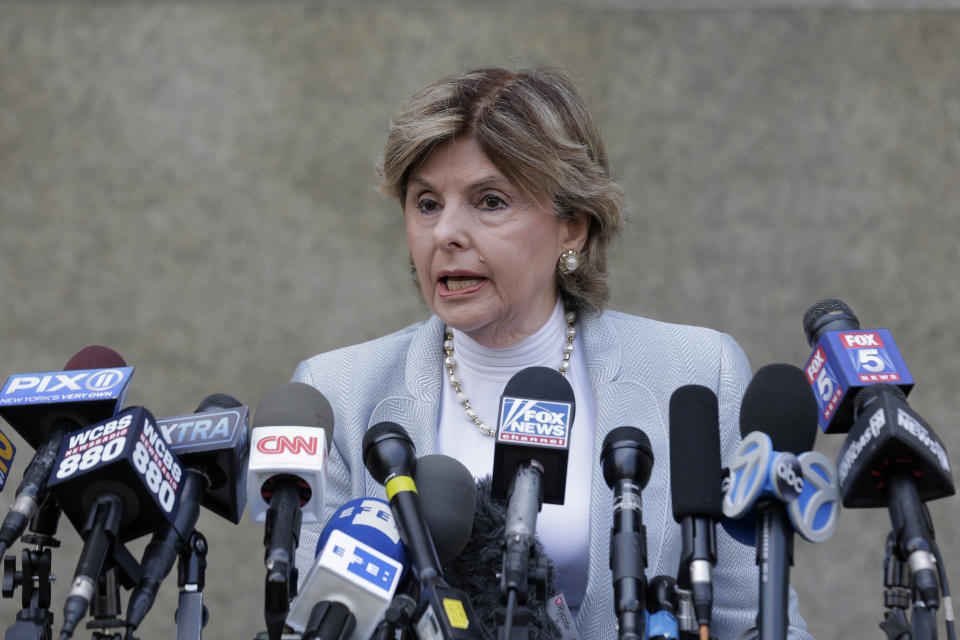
<point>190,183</point>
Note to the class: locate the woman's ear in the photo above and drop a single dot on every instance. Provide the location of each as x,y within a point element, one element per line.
<point>576,231</point>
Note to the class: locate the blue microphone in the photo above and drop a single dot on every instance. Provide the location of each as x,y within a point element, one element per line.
<point>360,560</point>
<point>764,481</point>
<point>846,359</point>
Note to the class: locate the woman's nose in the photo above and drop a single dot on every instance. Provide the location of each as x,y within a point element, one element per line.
<point>452,230</point>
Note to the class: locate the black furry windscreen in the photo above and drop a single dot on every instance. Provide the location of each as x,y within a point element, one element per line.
<point>475,570</point>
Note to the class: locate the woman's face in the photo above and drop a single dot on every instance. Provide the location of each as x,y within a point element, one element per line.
<point>485,255</point>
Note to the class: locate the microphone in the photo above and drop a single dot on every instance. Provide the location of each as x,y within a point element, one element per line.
<point>846,359</point>
<point>443,612</point>
<point>115,480</point>
<point>7,452</point>
<point>360,561</point>
<point>448,498</point>
<point>213,448</point>
<point>777,402</point>
<point>530,456</point>
<point>695,478</point>
<point>627,460</point>
<point>44,407</point>
<point>286,482</point>
<point>892,458</point>
<point>468,527</point>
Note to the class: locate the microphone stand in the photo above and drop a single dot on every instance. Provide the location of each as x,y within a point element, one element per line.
<point>896,594</point>
<point>105,606</point>
<point>396,623</point>
<point>35,620</point>
<point>774,558</point>
<point>523,504</point>
<point>192,614</point>
<point>912,534</point>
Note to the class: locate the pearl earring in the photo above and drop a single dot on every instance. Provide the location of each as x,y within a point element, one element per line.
<point>569,261</point>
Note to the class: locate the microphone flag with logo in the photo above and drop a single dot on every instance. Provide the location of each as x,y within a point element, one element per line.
<point>213,448</point>
<point>43,407</point>
<point>116,480</point>
<point>286,483</point>
<point>778,412</point>
<point>846,359</point>
<point>360,561</point>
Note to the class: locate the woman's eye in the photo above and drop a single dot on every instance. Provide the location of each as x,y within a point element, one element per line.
<point>428,205</point>
<point>492,201</point>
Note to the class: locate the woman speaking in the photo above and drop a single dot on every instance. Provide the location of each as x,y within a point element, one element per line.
<point>509,209</point>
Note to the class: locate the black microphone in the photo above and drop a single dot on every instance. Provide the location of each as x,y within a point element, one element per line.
<point>448,498</point>
<point>116,481</point>
<point>443,612</point>
<point>891,458</point>
<point>292,429</point>
<point>627,460</point>
<point>214,462</point>
<point>468,527</point>
<point>695,479</point>
<point>778,402</point>
<point>44,407</point>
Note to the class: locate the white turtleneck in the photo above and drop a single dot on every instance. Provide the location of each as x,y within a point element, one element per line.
<point>563,529</point>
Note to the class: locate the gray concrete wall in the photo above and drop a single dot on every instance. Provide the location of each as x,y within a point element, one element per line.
<point>190,183</point>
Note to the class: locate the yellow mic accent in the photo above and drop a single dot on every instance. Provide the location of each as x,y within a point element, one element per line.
<point>399,483</point>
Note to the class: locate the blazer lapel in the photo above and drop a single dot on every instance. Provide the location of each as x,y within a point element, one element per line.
<point>417,405</point>
<point>619,402</point>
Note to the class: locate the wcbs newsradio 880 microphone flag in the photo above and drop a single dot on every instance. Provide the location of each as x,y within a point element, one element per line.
<point>116,480</point>
<point>286,483</point>
<point>890,458</point>
<point>43,407</point>
<point>442,612</point>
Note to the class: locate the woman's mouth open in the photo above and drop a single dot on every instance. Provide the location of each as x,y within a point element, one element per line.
<point>459,285</point>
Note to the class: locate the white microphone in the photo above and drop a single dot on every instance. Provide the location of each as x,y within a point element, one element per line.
<point>286,483</point>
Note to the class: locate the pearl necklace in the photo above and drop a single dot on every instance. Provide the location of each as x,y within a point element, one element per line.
<point>451,366</point>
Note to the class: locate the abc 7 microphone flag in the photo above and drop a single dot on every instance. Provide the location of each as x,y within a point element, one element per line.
<point>807,484</point>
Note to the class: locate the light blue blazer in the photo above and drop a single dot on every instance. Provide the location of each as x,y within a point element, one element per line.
<point>634,365</point>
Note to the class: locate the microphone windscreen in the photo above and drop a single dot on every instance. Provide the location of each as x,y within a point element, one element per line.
<point>541,383</point>
<point>94,357</point>
<point>829,314</point>
<point>448,499</point>
<point>626,454</point>
<point>695,467</point>
<point>295,404</point>
<point>217,402</point>
<point>475,570</point>
<point>779,402</point>
<point>379,429</point>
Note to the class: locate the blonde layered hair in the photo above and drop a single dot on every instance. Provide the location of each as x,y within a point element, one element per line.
<point>538,131</point>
